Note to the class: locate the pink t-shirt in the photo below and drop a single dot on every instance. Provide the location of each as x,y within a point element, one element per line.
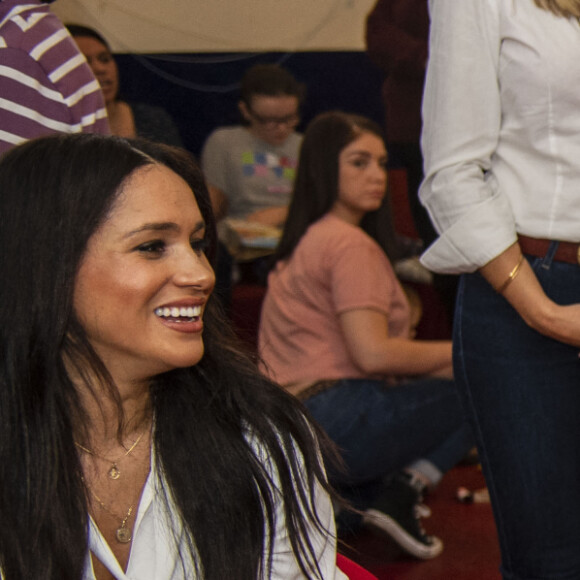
<point>336,267</point>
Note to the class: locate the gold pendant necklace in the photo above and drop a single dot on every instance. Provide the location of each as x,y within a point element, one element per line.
<point>113,472</point>
<point>122,533</point>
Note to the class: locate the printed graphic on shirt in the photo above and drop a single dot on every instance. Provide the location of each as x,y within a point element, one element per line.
<point>260,164</point>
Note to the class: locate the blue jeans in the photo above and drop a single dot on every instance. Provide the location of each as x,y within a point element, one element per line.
<point>381,429</point>
<point>522,393</point>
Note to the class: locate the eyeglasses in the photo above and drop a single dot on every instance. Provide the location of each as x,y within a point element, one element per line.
<point>271,122</point>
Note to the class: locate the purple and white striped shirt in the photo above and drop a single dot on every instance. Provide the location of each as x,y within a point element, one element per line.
<point>46,86</point>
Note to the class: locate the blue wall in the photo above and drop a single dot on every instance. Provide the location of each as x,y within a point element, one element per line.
<point>200,91</point>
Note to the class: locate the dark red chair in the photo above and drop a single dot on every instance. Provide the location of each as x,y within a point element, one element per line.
<point>352,569</point>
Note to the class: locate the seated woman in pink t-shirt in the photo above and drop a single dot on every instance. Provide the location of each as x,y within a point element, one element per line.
<point>335,332</point>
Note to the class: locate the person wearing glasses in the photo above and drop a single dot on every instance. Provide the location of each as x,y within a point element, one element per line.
<point>250,168</point>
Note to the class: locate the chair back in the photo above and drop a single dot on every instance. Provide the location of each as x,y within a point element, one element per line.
<point>352,569</point>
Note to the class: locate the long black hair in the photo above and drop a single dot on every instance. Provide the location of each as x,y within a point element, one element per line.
<point>87,32</point>
<point>56,191</point>
<point>316,184</point>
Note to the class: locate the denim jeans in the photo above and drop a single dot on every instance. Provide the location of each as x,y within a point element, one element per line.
<point>381,429</point>
<point>522,393</point>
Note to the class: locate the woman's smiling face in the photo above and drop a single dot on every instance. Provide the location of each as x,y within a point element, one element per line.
<point>144,280</point>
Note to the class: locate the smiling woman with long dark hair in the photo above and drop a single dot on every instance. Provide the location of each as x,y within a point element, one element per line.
<point>136,439</point>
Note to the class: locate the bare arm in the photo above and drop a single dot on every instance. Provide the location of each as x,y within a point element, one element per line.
<point>529,299</point>
<point>375,353</point>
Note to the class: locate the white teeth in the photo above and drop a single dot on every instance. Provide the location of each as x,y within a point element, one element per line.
<point>175,312</point>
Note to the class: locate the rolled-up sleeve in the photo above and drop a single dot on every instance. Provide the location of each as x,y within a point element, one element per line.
<point>462,121</point>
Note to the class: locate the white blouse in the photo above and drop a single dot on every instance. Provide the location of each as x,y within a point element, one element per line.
<point>501,136</point>
<point>157,538</point>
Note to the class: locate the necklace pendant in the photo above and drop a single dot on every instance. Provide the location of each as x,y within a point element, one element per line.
<point>114,472</point>
<point>123,535</point>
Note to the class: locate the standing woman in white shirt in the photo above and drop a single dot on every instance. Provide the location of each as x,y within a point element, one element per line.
<point>136,439</point>
<point>502,157</point>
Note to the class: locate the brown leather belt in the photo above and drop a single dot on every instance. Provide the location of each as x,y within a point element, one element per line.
<point>567,251</point>
<point>315,389</point>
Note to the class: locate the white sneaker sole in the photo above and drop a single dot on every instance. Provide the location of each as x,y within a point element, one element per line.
<point>412,546</point>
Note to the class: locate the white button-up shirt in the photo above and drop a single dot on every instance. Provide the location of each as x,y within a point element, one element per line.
<point>158,550</point>
<point>501,137</point>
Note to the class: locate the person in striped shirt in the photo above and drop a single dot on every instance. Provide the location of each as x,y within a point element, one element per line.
<point>46,86</point>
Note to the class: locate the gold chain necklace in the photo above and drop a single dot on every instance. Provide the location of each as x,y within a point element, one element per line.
<point>113,472</point>
<point>122,533</point>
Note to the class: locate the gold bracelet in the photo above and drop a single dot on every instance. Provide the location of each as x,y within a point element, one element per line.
<point>511,277</point>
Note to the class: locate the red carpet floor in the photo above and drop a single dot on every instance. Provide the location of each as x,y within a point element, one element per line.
<point>468,532</point>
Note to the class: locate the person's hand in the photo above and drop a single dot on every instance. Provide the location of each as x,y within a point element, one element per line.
<point>526,295</point>
<point>563,324</point>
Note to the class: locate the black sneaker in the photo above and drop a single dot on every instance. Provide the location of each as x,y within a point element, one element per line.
<point>398,513</point>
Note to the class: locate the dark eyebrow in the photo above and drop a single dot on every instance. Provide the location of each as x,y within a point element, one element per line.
<point>163,227</point>
<point>365,153</point>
